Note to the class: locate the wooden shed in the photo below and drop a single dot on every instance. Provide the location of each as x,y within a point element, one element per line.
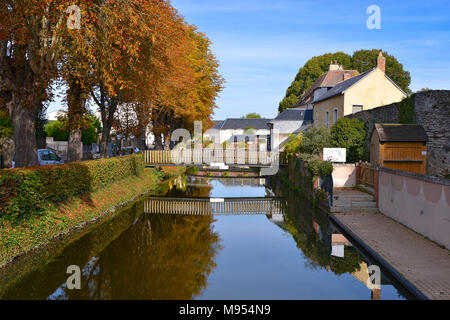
<point>399,146</point>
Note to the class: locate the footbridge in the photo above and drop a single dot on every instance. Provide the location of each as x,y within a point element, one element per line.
<point>214,206</point>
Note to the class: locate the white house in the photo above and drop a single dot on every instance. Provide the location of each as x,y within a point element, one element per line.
<point>288,122</point>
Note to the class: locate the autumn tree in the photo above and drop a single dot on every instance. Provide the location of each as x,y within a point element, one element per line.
<point>195,101</point>
<point>30,46</point>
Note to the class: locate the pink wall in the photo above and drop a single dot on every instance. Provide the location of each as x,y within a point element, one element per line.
<point>420,203</point>
<point>344,175</point>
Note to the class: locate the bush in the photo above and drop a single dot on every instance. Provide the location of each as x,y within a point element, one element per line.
<point>314,140</point>
<point>349,134</point>
<point>59,131</point>
<point>320,168</point>
<point>28,190</point>
<point>294,144</point>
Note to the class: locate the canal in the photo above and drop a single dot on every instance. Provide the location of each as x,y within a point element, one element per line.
<point>287,252</point>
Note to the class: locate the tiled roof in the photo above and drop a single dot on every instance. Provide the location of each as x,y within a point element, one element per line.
<point>341,87</point>
<point>242,123</point>
<point>328,80</point>
<point>392,132</point>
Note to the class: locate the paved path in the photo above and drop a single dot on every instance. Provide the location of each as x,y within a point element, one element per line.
<point>422,262</point>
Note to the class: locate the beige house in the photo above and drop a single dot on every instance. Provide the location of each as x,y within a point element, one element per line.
<point>362,92</point>
<point>336,74</point>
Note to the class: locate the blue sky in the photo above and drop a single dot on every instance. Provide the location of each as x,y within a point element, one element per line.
<point>261,44</point>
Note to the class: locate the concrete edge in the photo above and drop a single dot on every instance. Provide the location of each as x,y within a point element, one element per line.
<point>394,274</point>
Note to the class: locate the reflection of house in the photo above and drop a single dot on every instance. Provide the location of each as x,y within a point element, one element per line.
<point>399,146</point>
<point>290,121</point>
<point>362,92</point>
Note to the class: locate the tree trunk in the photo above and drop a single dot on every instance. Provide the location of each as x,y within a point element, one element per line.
<point>158,142</point>
<point>75,147</point>
<point>76,104</point>
<point>23,119</point>
<point>167,141</point>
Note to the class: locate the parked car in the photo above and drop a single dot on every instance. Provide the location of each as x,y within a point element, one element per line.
<point>45,157</point>
<point>129,150</point>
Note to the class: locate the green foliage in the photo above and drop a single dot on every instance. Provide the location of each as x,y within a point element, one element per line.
<point>59,131</point>
<point>349,134</point>
<point>309,73</point>
<point>365,60</point>
<point>29,190</point>
<point>252,115</point>
<point>90,133</point>
<point>6,125</point>
<point>294,144</point>
<point>315,139</point>
<point>406,113</point>
<point>362,61</point>
<point>320,168</point>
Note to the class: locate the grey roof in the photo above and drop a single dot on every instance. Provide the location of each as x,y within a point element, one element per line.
<point>393,132</point>
<point>243,123</point>
<point>293,114</point>
<point>217,124</point>
<point>341,87</point>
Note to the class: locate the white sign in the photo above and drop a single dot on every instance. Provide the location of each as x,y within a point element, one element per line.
<point>335,154</point>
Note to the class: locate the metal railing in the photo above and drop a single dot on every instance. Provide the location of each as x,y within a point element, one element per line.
<point>213,206</point>
<point>208,156</point>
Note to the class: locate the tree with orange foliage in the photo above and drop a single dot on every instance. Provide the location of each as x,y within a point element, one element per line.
<point>30,45</point>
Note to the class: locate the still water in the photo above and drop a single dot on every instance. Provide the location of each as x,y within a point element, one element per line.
<point>137,255</point>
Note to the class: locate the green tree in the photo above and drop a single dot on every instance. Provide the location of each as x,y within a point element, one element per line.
<point>59,131</point>
<point>349,134</point>
<point>252,115</point>
<point>361,60</point>
<point>6,125</point>
<point>56,129</point>
<point>309,73</point>
<point>314,140</point>
<point>365,60</point>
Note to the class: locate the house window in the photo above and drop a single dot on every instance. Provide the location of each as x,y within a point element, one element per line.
<point>335,115</point>
<point>327,118</point>
<point>357,108</point>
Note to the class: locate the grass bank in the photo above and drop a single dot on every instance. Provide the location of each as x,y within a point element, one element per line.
<point>19,236</point>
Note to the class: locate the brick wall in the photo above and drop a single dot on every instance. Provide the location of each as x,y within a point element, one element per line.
<point>432,110</point>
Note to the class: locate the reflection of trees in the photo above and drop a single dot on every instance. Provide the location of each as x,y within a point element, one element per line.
<point>311,229</point>
<point>159,257</point>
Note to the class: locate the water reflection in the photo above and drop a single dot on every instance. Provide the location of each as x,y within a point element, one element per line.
<point>296,254</point>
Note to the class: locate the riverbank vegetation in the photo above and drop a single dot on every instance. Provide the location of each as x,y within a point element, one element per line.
<point>38,204</point>
<point>345,133</point>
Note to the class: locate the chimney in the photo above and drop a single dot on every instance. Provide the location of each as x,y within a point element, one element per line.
<point>333,66</point>
<point>381,62</point>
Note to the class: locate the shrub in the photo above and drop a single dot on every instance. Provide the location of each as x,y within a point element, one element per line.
<point>320,168</point>
<point>349,134</point>
<point>27,190</point>
<point>314,140</point>
<point>294,144</point>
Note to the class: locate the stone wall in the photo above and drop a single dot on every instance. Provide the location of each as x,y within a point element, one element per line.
<point>432,111</point>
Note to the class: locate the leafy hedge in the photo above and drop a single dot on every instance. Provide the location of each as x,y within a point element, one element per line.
<point>28,190</point>
<point>320,168</point>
